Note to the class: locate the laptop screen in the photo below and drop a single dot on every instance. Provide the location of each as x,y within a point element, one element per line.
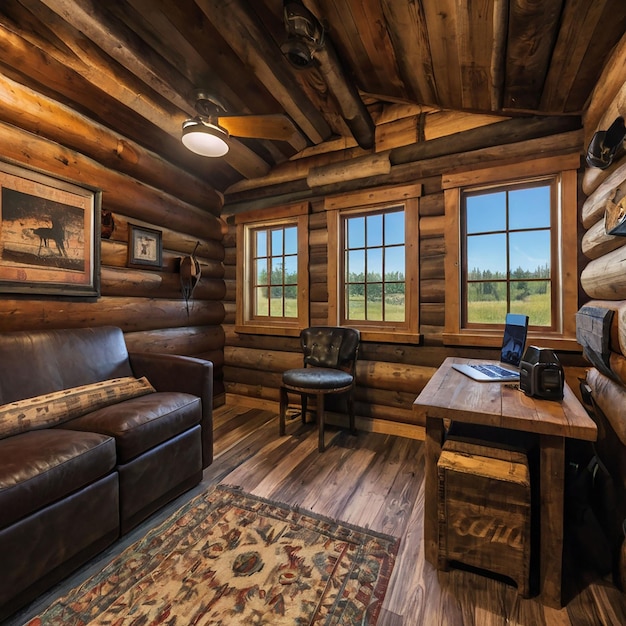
<point>515,329</point>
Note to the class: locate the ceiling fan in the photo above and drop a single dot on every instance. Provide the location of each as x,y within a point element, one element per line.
<point>207,133</point>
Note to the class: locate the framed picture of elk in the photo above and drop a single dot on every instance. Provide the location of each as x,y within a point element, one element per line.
<point>49,235</point>
<point>145,247</point>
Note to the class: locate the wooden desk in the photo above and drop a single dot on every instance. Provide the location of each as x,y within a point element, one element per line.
<point>452,395</point>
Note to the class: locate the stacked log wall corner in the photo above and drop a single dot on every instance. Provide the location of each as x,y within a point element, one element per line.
<point>147,191</point>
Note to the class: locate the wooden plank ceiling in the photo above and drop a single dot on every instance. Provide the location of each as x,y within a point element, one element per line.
<point>134,65</point>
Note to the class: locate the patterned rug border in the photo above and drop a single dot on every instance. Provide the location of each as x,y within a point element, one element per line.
<point>301,511</point>
<point>281,511</point>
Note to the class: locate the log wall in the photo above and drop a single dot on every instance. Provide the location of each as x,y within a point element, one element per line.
<point>389,375</point>
<point>138,187</point>
<point>602,278</point>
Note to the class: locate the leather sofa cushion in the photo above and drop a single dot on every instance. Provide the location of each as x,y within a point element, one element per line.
<point>142,423</point>
<point>43,466</point>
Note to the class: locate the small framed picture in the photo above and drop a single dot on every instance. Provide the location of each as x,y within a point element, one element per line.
<point>145,247</point>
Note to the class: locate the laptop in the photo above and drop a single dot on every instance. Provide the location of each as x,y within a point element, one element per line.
<point>513,343</point>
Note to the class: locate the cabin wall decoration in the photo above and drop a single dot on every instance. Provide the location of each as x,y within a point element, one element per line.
<point>49,235</point>
<point>601,321</point>
<point>615,214</point>
<point>145,247</point>
<point>190,272</point>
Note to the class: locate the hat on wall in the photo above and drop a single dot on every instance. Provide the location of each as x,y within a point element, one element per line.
<point>189,275</point>
<point>604,144</point>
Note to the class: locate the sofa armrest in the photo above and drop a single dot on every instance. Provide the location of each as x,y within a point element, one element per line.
<point>172,372</point>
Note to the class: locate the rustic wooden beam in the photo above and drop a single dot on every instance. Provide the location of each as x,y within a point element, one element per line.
<point>79,55</point>
<point>127,313</point>
<point>353,110</point>
<point>532,31</point>
<point>441,25</point>
<point>435,124</point>
<point>115,254</point>
<point>596,242</point>
<point>500,133</point>
<point>120,192</point>
<point>412,45</point>
<point>363,167</point>
<point>48,118</point>
<point>238,24</point>
<point>89,61</point>
<point>578,22</point>
<point>122,44</point>
<point>611,398</point>
<point>612,188</point>
<point>424,160</point>
<point>605,277</point>
<point>609,91</point>
<point>149,284</point>
<point>174,241</point>
<point>188,340</point>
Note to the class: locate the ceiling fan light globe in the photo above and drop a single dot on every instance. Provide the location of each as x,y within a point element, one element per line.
<point>204,138</point>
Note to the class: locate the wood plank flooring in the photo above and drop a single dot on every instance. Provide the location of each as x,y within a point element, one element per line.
<point>377,481</point>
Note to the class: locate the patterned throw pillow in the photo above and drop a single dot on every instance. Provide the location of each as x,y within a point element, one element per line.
<point>55,408</point>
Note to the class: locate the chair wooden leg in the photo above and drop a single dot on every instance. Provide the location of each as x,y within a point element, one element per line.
<point>320,421</point>
<point>303,398</point>
<point>351,412</point>
<point>283,409</point>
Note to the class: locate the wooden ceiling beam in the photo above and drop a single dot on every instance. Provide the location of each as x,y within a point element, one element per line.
<point>578,23</point>
<point>123,45</point>
<point>409,35</point>
<point>48,118</point>
<point>239,26</point>
<point>352,108</point>
<point>96,68</point>
<point>533,29</point>
<point>81,56</point>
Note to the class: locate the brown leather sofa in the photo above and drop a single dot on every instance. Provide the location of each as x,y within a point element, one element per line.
<point>69,490</point>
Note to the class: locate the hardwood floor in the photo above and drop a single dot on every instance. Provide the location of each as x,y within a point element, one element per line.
<point>377,481</point>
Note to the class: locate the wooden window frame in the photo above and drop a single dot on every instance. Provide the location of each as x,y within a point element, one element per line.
<point>375,201</point>
<point>247,223</point>
<point>565,264</point>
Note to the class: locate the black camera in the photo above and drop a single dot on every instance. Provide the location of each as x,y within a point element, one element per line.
<point>541,374</point>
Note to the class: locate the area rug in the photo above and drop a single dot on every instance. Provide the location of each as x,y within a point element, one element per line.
<point>229,558</point>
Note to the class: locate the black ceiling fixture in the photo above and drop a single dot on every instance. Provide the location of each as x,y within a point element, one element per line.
<point>305,35</point>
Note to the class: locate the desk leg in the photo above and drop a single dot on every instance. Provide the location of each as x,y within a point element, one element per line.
<point>434,440</point>
<point>552,490</point>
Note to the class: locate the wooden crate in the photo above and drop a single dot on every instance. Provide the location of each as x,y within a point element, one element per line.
<point>484,510</point>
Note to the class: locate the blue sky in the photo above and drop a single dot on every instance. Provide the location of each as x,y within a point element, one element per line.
<point>388,230</point>
<point>528,208</point>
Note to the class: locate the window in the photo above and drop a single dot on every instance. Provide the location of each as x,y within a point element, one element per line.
<point>373,274</point>
<point>511,246</point>
<point>272,262</point>
<point>507,252</point>
<point>274,283</point>
<point>374,267</point>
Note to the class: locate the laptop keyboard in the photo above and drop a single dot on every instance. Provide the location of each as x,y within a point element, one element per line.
<point>493,370</point>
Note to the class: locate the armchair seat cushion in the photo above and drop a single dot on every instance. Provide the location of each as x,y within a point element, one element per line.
<point>317,378</point>
<point>140,424</point>
<point>42,466</point>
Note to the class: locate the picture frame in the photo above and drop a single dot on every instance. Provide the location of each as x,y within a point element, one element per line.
<point>145,247</point>
<point>49,235</point>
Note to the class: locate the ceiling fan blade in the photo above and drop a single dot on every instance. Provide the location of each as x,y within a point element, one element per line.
<point>278,127</point>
